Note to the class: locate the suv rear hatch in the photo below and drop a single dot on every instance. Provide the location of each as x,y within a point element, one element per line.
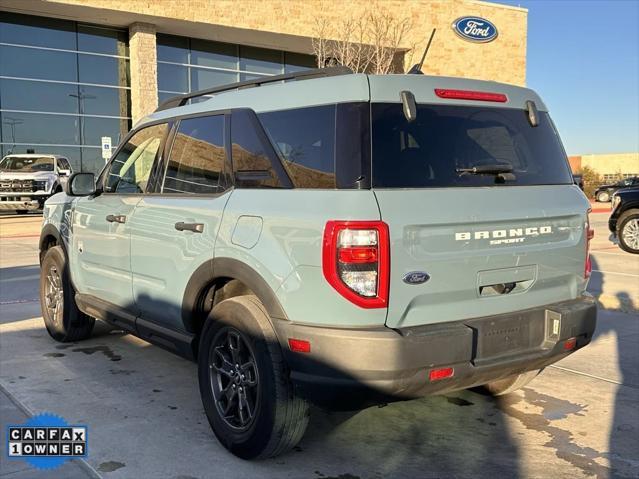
<point>506,240</point>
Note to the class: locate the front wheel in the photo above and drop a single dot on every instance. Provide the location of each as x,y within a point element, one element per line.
<point>511,383</point>
<point>603,197</point>
<point>628,231</point>
<point>62,318</point>
<point>246,392</point>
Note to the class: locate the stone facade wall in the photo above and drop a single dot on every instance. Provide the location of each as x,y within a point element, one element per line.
<point>143,61</point>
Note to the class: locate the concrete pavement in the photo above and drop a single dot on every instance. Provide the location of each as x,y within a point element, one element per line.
<point>577,419</point>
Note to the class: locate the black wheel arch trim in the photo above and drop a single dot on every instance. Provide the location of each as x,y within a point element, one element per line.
<point>217,268</point>
<point>51,230</point>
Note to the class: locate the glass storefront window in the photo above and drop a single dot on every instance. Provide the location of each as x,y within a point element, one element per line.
<point>186,65</point>
<point>94,128</point>
<point>39,128</point>
<point>63,85</point>
<point>41,64</point>
<point>214,54</point>
<point>201,78</point>
<point>31,96</point>
<point>173,78</point>
<point>103,70</point>
<point>260,60</point>
<point>37,31</point>
<point>172,49</point>
<point>102,40</point>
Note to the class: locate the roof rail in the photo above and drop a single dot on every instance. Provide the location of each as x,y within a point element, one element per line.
<point>180,100</point>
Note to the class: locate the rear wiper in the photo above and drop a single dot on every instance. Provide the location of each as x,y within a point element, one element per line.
<point>502,173</point>
<point>485,170</point>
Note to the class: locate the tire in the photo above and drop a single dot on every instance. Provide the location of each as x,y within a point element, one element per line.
<point>511,383</point>
<point>279,417</point>
<point>62,318</point>
<point>628,231</point>
<point>603,197</point>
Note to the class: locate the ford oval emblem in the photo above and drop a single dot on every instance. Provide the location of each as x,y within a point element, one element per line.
<point>475,29</point>
<point>416,277</point>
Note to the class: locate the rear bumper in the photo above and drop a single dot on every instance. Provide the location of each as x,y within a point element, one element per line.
<point>350,368</point>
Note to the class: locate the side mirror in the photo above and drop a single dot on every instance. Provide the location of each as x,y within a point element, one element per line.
<point>81,184</point>
<point>64,172</point>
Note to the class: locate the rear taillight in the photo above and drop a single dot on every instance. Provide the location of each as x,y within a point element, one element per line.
<point>590,234</point>
<point>470,95</point>
<point>356,261</point>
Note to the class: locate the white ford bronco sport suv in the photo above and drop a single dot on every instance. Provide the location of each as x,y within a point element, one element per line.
<point>336,238</point>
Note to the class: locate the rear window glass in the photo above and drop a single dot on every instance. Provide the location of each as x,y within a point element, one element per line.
<point>305,138</point>
<point>430,151</point>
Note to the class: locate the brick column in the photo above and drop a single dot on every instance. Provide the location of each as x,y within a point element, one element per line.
<point>144,77</point>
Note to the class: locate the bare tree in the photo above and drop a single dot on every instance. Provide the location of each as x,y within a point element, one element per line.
<point>368,43</point>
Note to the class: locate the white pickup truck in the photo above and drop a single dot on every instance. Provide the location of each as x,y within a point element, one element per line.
<point>27,180</point>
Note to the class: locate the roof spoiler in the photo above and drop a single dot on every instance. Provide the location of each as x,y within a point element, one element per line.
<point>181,100</point>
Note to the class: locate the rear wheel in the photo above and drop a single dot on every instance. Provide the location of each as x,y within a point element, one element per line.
<point>62,318</point>
<point>603,197</point>
<point>511,383</point>
<point>628,231</point>
<point>247,395</point>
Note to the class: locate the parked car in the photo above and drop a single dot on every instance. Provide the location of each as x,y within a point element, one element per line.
<point>27,180</point>
<point>331,238</point>
<point>624,219</point>
<point>604,193</point>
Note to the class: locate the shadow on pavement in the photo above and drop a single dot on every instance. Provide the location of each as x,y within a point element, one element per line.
<point>624,433</point>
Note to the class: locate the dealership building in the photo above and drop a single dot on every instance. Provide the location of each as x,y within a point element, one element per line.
<point>75,71</point>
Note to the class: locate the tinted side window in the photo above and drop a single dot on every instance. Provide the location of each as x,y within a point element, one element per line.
<point>63,164</point>
<point>197,157</point>
<point>130,169</point>
<point>251,155</point>
<point>305,138</point>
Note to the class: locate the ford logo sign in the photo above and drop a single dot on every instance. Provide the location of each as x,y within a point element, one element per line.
<point>416,277</point>
<point>475,29</point>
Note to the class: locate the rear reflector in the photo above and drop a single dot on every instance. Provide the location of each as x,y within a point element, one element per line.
<point>299,345</point>
<point>442,373</point>
<point>570,344</point>
<point>470,95</point>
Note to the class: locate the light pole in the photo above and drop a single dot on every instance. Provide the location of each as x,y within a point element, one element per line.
<point>81,97</point>
<point>12,122</point>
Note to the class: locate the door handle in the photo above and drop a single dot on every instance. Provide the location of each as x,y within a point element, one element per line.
<point>116,218</point>
<point>195,227</point>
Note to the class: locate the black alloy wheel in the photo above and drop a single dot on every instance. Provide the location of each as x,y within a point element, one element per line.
<point>234,378</point>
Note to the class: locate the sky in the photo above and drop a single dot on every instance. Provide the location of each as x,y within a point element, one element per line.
<point>583,59</point>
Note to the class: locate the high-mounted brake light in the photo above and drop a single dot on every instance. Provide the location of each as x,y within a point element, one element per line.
<point>356,261</point>
<point>470,95</point>
<point>590,234</point>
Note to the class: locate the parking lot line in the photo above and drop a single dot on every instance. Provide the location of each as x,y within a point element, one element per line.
<point>573,371</point>
<point>613,272</point>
